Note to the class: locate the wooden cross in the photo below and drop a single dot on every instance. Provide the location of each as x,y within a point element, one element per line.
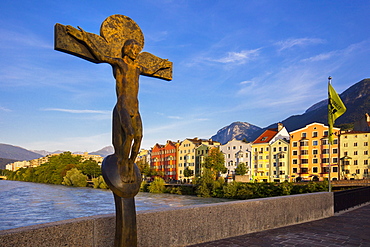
<point>119,44</point>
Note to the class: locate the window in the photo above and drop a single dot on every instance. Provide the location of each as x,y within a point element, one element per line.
<point>295,161</point>
<point>285,149</point>
<point>365,152</point>
<point>279,149</point>
<point>354,152</point>
<point>314,143</point>
<point>325,151</point>
<point>304,170</point>
<point>314,151</point>
<point>335,150</point>
<point>355,162</point>
<point>335,169</point>
<point>345,153</point>
<point>304,134</point>
<point>345,145</point>
<point>274,149</point>
<point>314,169</point>
<point>281,164</point>
<point>304,161</point>
<point>357,171</point>
<point>295,144</point>
<point>335,141</point>
<point>304,152</point>
<point>295,152</point>
<point>274,164</point>
<point>303,143</point>
<point>355,144</point>
<point>314,161</point>
<point>314,134</point>
<point>335,160</point>
<point>365,162</point>
<point>325,133</point>
<point>325,142</point>
<point>366,144</point>
<point>325,160</point>
<point>295,170</point>
<point>282,172</point>
<point>366,171</point>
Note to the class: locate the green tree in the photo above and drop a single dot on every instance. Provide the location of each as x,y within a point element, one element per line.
<point>241,169</point>
<point>99,183</point>
<point>188,173</point>
<point>215,161</point>
<point>90,168</point>
<point>144,168</point>
<point>157,186</point>
<point>76,178</point>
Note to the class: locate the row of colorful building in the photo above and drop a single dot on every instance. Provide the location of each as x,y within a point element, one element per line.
<point>37,162</point>
<point>275,156</point>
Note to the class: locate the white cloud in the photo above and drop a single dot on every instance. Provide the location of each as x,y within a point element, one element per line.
<point>320,57</point>
<point>174,117</point>
<point>246,83</point>
<point>239,57</point>
<point>77,111</point>
<point>5,109</point>
<point>289,43</point>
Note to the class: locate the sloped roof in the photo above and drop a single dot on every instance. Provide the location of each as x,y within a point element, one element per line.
<point>266,136</point>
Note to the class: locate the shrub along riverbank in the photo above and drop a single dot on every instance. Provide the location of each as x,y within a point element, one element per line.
<point>234,190</point>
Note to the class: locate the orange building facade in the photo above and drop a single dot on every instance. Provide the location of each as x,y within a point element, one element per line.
<point>163,160</point>
<point>311,157</point>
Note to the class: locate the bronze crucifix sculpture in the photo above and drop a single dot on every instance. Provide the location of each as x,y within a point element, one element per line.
<point>119,44</point>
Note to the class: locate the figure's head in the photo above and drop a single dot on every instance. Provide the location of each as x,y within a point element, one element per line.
<point>131,48</point>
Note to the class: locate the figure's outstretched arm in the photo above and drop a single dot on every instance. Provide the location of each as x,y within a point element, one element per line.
<point>83,36</point>
<point>152,70</point>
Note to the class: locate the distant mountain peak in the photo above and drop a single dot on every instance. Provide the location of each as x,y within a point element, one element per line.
<point>236,130</point>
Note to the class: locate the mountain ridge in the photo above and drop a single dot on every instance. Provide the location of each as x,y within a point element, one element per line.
<point>357,101</point>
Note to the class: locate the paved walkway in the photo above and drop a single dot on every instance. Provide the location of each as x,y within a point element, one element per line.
<point>351,228</point>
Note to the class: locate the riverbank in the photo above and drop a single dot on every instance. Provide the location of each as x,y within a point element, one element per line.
<point>26,203</point>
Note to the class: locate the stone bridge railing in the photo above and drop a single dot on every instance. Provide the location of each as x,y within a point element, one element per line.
<point>181,226</point>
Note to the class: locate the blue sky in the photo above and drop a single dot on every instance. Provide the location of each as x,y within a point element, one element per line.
<point>251,61</point>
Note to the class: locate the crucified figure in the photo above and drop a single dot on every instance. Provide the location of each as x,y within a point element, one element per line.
<point>119,44</point>
<point>127,125</point>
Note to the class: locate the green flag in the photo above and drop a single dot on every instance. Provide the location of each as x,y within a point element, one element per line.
<point>335,109</point>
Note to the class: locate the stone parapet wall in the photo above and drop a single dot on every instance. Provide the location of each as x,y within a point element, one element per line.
<point>180,226</point>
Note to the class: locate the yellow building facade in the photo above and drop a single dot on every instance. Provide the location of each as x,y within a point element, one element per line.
<point>311,157</point>
<point>279,160</point>
<point>354,155</point>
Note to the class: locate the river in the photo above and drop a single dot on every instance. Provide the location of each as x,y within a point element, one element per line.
<point>24,203</point>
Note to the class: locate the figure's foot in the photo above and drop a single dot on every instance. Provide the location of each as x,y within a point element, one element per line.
<point>127,173</point>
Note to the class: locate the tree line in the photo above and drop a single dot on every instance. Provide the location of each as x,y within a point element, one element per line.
<point>65,168</point>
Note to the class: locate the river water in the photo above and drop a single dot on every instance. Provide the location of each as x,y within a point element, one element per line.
<point>24,203</point>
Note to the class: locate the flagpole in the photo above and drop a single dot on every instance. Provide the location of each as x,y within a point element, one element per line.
<point>329,133</point>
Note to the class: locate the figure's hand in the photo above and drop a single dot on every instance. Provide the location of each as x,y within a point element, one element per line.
<point>78,34</point>
<point>164,64</point>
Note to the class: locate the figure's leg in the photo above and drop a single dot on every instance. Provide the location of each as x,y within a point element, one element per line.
<point>138,135</point>
<point>123,135</point>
